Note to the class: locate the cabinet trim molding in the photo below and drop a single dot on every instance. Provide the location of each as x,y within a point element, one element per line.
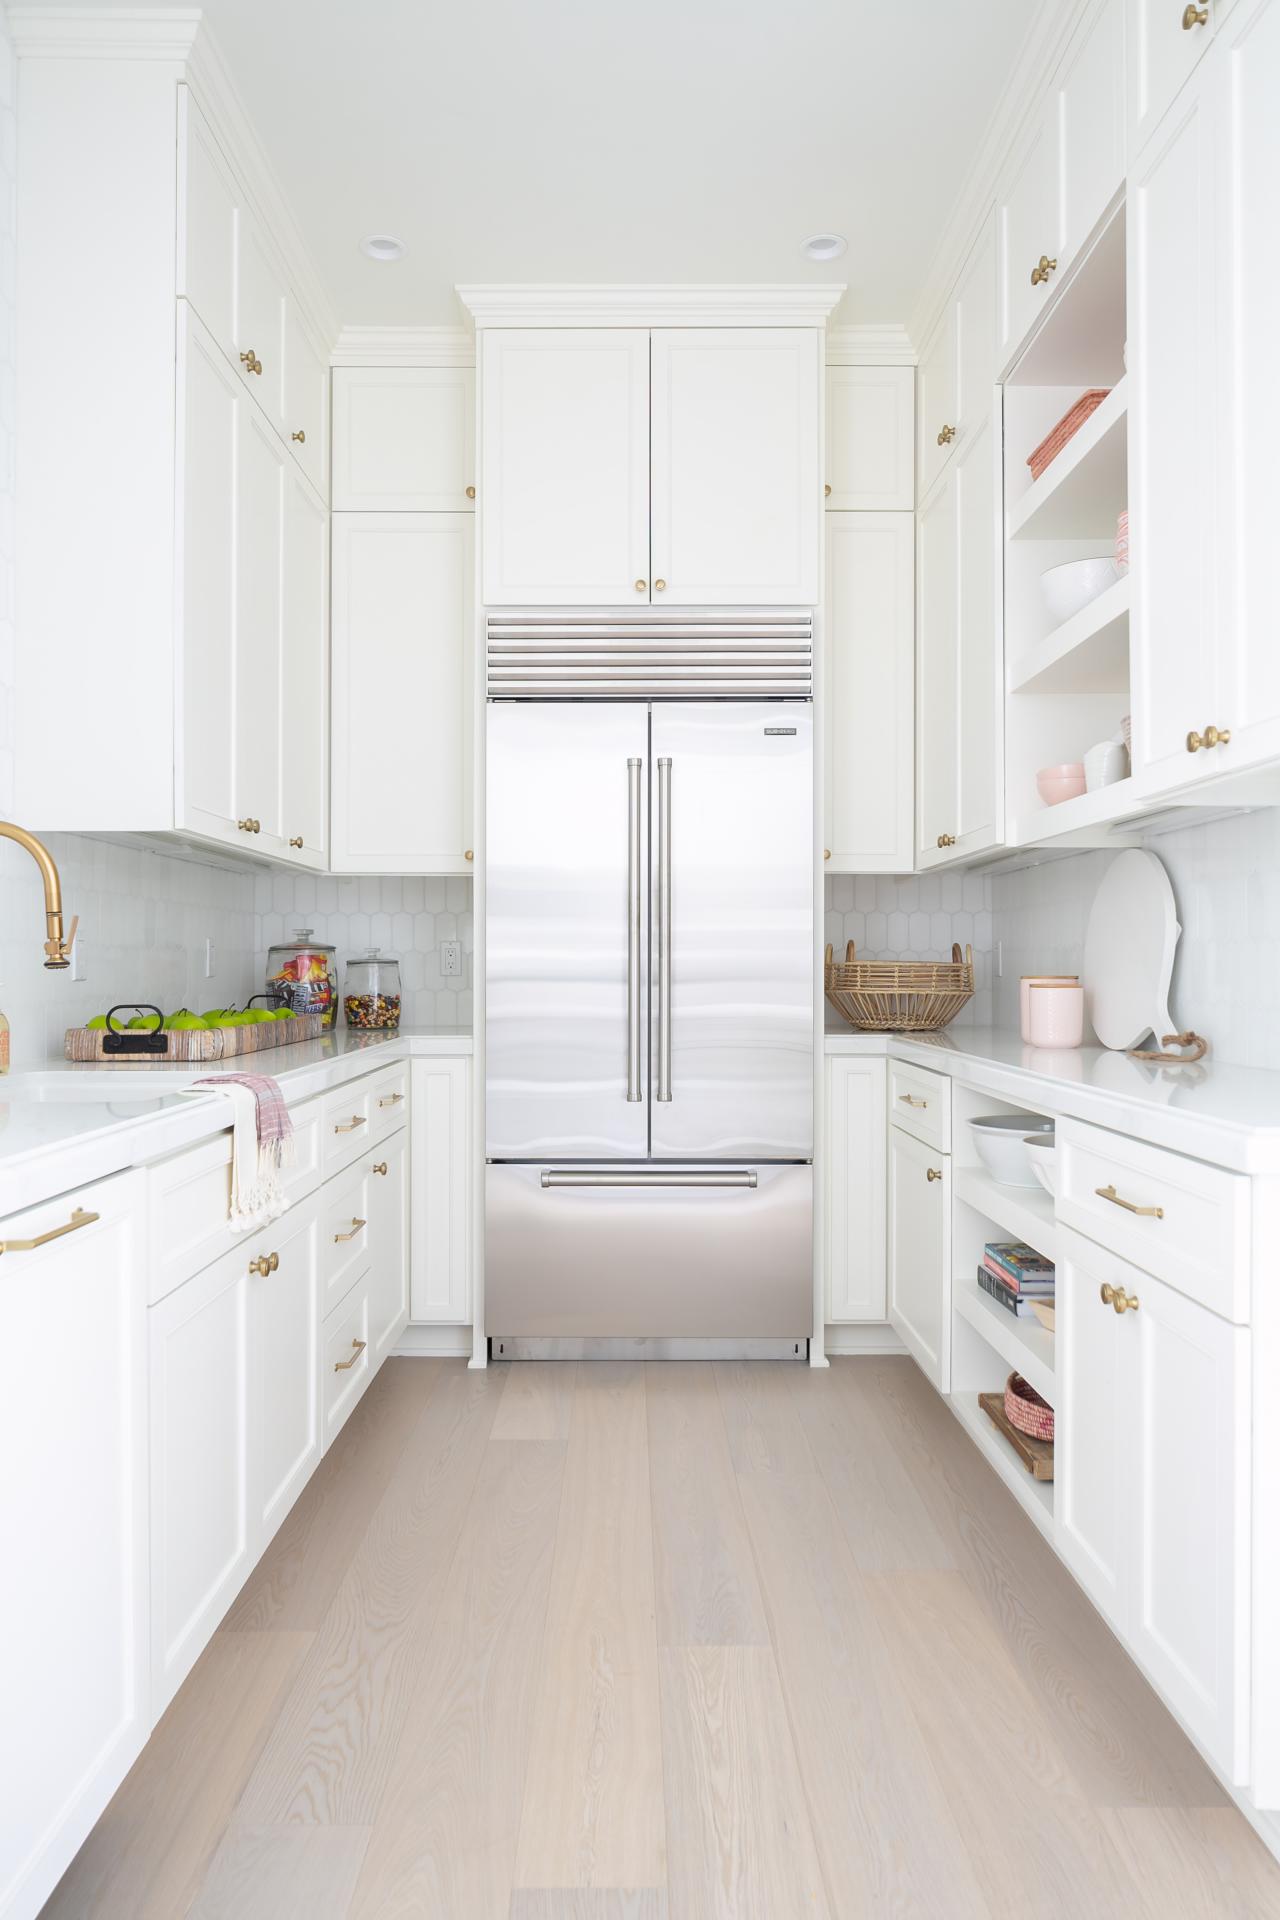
<point>868,345</point>
<point>404,347</point>
<point>522,305</point>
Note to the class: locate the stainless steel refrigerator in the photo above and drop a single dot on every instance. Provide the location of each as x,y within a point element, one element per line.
<point>649,1011</point>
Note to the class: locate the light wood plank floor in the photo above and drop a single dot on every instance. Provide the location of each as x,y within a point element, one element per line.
<point>636,1642</point>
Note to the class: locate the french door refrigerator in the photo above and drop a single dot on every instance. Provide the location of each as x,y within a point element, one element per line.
<point>649,1019</point>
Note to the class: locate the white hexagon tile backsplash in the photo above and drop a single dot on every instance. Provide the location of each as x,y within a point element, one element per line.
<point>916,917</point>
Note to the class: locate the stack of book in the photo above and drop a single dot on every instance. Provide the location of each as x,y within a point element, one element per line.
<point>1016,1276</point>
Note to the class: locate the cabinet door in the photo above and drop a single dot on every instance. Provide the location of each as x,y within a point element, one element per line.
<point>284,1370</point>
<point>1090,102</point>
<point>210,409</point>
<point>389,1244</point>
<point>974,310</point>
<point>202,1521</point>
<point>979,649</point>
<point>937,726</point>
<point>440,1150</point>
<point>1189,1475</point>
<point>870,451</point>
<point>869,639</point>
<point>1030,229</point>
<point>1174,354</point>
<point>564,499</point>
<point>1163,45</point>
<point>939,399</point>
<point>1096,1434</point>
<point>920,1253</point>
<point>306,403</point>
<point>304,678</point>
<point>208,211</point>
<point>856,1183</point>
<point>736,489</point>
<point>263,469</point>
<point>261,300</point>
<point>403,439</point>
<point>402,665</point>
<point>73,1430</point>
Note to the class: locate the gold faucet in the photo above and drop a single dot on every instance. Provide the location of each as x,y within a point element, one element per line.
<point>57,948</point>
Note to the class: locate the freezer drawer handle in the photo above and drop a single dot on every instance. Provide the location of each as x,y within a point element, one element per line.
<point>664,930</point>
<point>633,931</point>
<point>570,1177</point>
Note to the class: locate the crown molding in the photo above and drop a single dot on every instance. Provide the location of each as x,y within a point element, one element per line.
<point>1043,45</point>
<point>118,33</point>
<point>656,306</point>
<point>404,347</point>
<point>870,345</point>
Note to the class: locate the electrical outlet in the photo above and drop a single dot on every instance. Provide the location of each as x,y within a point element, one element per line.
<point>210,959</point>
<point>450,958</point>
<point>79,965</point>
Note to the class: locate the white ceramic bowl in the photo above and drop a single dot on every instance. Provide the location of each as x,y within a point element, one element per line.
<point>1074,584</point>
<point>1043,1156</point>
<point>1001,1140</point>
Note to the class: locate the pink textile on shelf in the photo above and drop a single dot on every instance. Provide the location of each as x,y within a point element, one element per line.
<point>274,1124</point>
<point>261,1145</point>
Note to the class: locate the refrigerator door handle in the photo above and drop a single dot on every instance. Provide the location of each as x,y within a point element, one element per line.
<point>634,1092</point>
<point>578,1177</point>
<point>664,929</point>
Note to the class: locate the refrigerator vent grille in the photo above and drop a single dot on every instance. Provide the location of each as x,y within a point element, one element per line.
<point>650,655</point>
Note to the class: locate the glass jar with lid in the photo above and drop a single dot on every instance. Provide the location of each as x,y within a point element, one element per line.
<point>371,999</point>
<point>303,974</point>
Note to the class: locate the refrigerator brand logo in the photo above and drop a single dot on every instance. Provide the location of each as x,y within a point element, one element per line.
<point>769,730</point>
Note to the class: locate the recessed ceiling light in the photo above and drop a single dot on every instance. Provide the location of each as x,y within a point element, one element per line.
<point>824,246</point>
<point>383,246</point>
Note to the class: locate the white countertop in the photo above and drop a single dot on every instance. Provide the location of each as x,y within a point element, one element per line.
<point>1226,1114</point>
<point>56,1133</point>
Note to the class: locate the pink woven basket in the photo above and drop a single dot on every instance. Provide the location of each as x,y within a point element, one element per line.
<point>1025,1410</point>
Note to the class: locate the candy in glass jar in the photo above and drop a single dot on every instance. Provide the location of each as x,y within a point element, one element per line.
<point>371,999</point>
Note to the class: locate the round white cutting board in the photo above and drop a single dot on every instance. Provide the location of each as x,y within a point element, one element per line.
<point>1128,952</point>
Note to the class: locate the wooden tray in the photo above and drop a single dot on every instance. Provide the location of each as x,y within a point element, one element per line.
<point>190,1045</point>
<point>1035,1455</point>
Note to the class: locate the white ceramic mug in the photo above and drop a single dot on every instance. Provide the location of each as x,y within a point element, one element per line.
<point>1056,1014</point>
<point>1025,985</point>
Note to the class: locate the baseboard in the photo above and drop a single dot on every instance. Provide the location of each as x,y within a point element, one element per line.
<point>419,1341</point>
<point>877,1336</point>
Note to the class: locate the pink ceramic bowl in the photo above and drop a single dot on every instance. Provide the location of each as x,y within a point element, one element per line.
<point>1055,784</point>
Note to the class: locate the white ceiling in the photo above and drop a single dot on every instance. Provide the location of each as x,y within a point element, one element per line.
<point>591,140</point>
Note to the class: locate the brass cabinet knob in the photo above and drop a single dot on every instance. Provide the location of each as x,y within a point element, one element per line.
<point>297,841</point>
<point>1117,1297</point>
<point>299,436</point>
<point>1194,17</point>
<point>264,1264</point>
<point>471,493</point>
<point>933,1173</point>
<point>659,586</point>
<point>826,853</point>
<point>946,839</point>
<point>642,586</point>
<point>1211,737</point>
<point>827,491</point>
<point>249,825</point>
<point>250,361</point>
<point>1194,742</point>
<point>469,854</point>
<point>947,435</point>
<point>380,1166</point>
<point>1041,273</point>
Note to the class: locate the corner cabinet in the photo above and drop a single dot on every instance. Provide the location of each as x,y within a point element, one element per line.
<point>633,466</point>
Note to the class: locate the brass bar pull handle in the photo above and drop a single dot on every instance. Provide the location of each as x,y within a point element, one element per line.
<point>357,1227</point>
<point>340,1366</point>
<point>1148,1213</point>
<point>1117,1297</point>
<point>264,1264</point>
<point>349,1126</point>
<point>390,1099</point>
<point>933,1173</point>
<point>912,1100</point>
<point>78,1219</point>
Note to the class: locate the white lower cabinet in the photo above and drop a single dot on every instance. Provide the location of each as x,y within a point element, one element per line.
<point>1153,1466</point>
<point>856,1188</point>
<point>73,1437</point>
<point>440,1148</point>
<point>920,1252</point>
<point>389,1244</point>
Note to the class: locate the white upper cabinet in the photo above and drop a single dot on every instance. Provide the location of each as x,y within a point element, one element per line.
<point>261,300</point>
<point>736,486</point>
<point>402,651</point>
<point>870,442</point>
<point>208,213</point>
<point>1165,39</point>
<point>304,677</point>
<point>565,467</point>
<point>869,675</point>
<point>1029,225</point>
<point>937,729</point>
<point>404,439</point>
<point>306,402</point>
<point>938,398</point>
<point>1090,108</point>
<point>958,366</point>
<point>262,465</point>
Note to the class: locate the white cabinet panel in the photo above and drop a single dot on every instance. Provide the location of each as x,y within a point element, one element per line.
<point>870,451</point>
<point>980,654</point>
<point>856,1182</point>
<point>440,1149</point>
<point>402,692</point>
<point>869,639</point>
<point>1029,217</point>
<point>974,308</point>
<point>284,1369</point>
<point>1093,1437</point>
<point>564,500</point>
<point>262,472</point>
<point>939,398</point>
<point>306,402</point>
<point>736,485</point>
<point>920,1253</point>
<point>1164,41</point>
<point>73,1436</point>
<point>261,299</point>
<point>304,676</point>
<point>208,212</point>
<point>389,1244</point>
<point>938,617</point>
<point>1090,103</point>
<point>403,439</point>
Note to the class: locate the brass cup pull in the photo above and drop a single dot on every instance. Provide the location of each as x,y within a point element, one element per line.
<point>641,586</point>
<point>379,1166</point>
<point>947,435</point>
<point>349,1126</point>
<point>933,1173</point>
<point>390,1099</point>
<point>1194,17</point>
<point>912,1100</point>
<point>946,839</point>
<point>357,1348</point>
<point>1117,1297</point>
<point>300,436</point>
<point>297,842</point>
<point>250,361</point>
<point>471,493</point>
<point>1041,273</point>
<point>357,1227</point>
<point>79,1218</point>
<point>264,1264</point>
<point>1148,1213</point>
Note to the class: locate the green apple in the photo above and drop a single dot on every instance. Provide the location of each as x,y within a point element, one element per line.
<point>254,1016</point>
<point>184,1021</point>
<point>98,1024</point>
<point>145,1023</point>
<point>216,1017</point>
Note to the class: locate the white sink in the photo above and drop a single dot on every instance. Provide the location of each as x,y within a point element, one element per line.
<point>113,1086</point>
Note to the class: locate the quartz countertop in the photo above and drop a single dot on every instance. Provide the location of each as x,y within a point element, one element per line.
<point>56,1132</point>
<point>1229,1115</point>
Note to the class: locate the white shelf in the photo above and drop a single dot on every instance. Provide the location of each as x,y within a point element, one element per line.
<point>1087,654</point>
<point>1024,1212</point>
<point>1083,492</point>
<point>1024,1344</point>
<point>1035,1496</point>
<point>1106,806</point>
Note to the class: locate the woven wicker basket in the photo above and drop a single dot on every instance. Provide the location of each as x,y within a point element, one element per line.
<point>1026,1410</point>
<point>899,996</point>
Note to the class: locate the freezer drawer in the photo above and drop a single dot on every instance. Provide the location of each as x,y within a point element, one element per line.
<point>646,1251</point>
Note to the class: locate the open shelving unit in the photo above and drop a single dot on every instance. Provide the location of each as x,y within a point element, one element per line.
<point>1087,654</point>
<point>1087,482</point>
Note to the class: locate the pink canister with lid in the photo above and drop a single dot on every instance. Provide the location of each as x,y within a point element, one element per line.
<point>1056,1014</point>
<point>1025,985</point>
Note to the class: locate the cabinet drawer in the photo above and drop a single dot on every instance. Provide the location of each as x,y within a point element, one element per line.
<point>389,1100</point>
<point>920,1103</point>
<point>1177,1218</point>
<point>345,1363</point>
<point>344,1234</point>
<point>346,1126</point>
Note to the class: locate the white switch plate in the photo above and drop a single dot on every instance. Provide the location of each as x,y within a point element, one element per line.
<point>450,958</point>
<point>79,964</point>
<point>210,959</point>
